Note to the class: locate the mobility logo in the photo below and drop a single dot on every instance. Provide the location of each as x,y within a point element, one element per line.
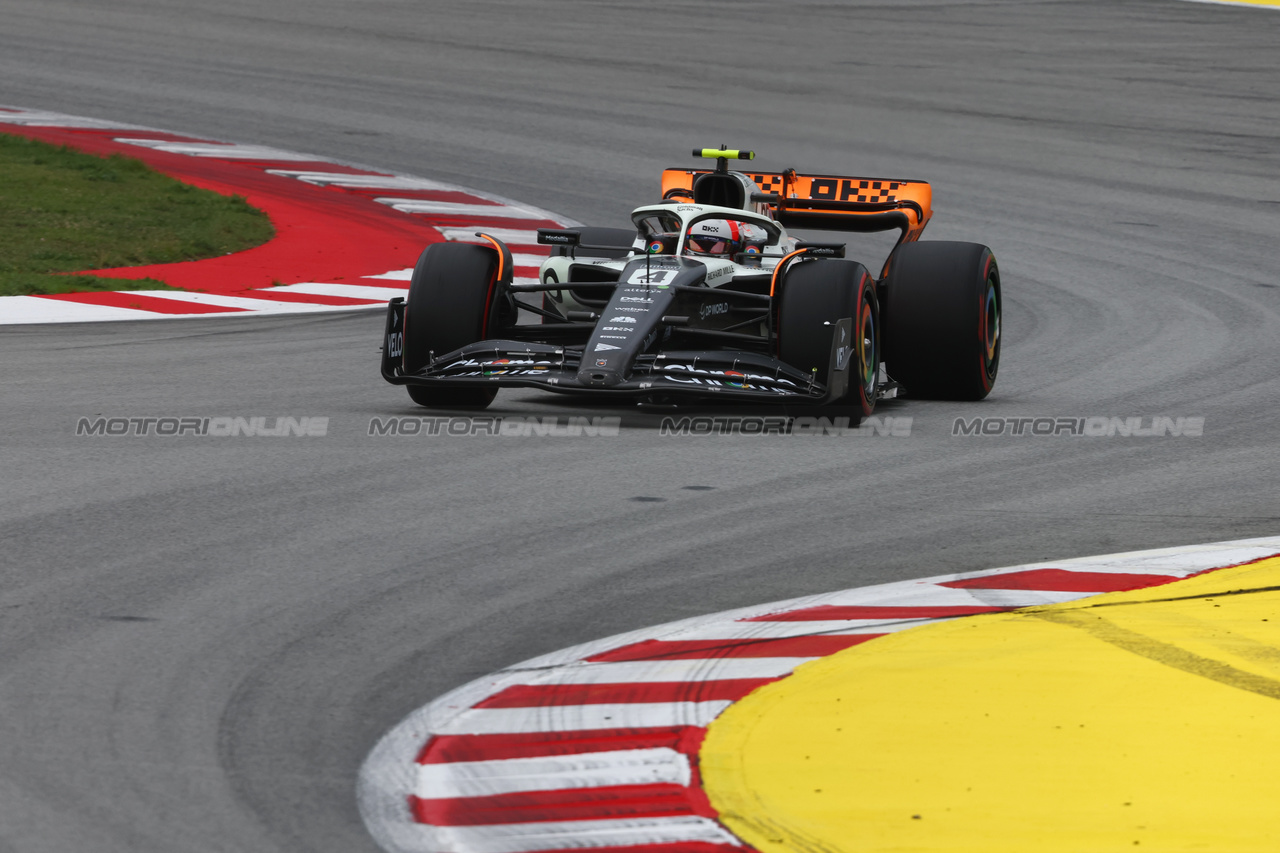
<point>1086,427</point>
<point>278,427</point>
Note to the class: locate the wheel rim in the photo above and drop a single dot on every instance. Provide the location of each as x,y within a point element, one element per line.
<point>867,362</point>
<point>991,330</point>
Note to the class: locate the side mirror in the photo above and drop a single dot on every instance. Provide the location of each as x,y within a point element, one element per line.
<point>556,237</point>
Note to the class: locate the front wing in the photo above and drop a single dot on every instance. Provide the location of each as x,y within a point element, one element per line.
<point>723,374</point>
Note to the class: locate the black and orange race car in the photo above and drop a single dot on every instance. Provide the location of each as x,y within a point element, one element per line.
<point>708,296</point>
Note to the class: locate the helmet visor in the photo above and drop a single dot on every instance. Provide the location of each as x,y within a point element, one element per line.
<point>709,244</point>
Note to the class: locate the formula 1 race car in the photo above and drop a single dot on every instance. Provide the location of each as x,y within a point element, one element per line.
<point>708,297</point>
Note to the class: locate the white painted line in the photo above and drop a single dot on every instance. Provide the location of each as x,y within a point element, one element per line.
<point>44,118</point>
<point>735,631</point>
<point>524,262</point>
<point>351,291</point>
<point>576,835</point>
<point>394,275</point>
<point>572,718</point>
<point>1183,560</point>
<point>1022,597</point>
<point>662,671</point>
<point>659,766</point>
<point>453,208</point>
<point>941,596</point>
<point>33,309</point>
<point>372,182</point>
<point>261,306</point>
<point>223,151</point>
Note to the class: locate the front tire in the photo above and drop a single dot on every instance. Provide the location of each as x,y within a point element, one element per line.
<point>943,316</point>
<point>452,302</point>
<point>815,296</point>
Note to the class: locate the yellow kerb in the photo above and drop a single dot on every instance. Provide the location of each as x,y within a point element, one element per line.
<point>1143,720</point>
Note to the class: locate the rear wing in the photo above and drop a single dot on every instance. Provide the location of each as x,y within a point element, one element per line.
<point>829,202</point>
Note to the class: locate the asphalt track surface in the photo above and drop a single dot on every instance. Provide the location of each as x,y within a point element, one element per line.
<point>203,638</point>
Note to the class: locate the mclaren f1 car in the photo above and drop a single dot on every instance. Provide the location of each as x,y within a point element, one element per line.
<point>708,296</point>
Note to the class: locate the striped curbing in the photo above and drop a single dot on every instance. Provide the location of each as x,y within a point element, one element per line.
<point>347,236</point>
<point>596,747</point>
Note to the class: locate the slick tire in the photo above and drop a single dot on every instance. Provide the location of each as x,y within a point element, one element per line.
<point>815,295</point>
<point>451,303</point>
<point>943,312</point>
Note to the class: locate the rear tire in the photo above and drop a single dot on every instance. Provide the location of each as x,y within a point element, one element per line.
<point>452,302</point>
<point>943,313</point>
<point>817,294</point>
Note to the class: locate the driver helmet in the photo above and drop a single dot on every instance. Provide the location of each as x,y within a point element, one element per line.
<point>724,238</point>
<point>714,237</point>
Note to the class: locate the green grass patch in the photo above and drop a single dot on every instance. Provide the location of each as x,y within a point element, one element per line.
<point>65,211</point>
